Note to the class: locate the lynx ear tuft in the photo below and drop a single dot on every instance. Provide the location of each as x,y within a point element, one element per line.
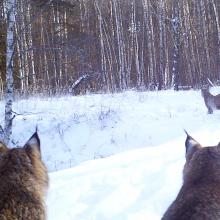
<point>33,144</point>
<point>191,146</point>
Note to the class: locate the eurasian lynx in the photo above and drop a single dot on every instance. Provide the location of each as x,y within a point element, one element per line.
<point>23,182</point>
<point>211,101</point>
<point>199,196</point>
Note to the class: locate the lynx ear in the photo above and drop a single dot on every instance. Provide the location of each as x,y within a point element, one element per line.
<point>3,147</point>
<point>191,146</point>
<point>33,144</point>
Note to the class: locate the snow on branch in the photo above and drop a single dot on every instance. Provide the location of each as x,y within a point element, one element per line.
<point>78,81</point>
<point>210,82</point>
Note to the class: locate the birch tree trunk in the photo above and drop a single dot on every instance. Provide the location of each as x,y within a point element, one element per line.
<point>9,70</point>
<point>103,57</point>
<point>161,50</point>
<point>120,41</point>
<point>217,22</point>
<point>176,39</point>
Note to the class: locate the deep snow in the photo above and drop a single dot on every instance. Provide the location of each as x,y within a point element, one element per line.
<point>137,139</point>
<point>77,129</point>
<point>137,184</point>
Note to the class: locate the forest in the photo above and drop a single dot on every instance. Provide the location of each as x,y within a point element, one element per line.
<point>76,47</point>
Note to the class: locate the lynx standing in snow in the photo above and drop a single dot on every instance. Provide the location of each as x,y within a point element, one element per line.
<point>199,197</point>
<point>23,182</point>
<point>211,101</point>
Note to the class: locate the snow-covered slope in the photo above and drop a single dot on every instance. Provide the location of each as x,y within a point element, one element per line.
<point>137,184</point>
<point>77,129</point>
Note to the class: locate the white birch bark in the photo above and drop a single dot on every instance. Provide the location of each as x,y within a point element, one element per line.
<point>121,55</point>
<point>152,52</point>
<point>205,35</point>
<point>161,52</point>
<point>176,39</point>
<point>24,49</point>
<point>44,61</point>
<point>31,53</point>
<point>103,56</point>
<point>217,22</point>
<point>147,22</point>
<point>135,30</point>
<point>9,70</point>
<point>20,58</point>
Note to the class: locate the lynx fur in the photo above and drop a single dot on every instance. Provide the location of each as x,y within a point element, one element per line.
<point>199,196</point>
<point>23,182</point>
<point>212,102</point>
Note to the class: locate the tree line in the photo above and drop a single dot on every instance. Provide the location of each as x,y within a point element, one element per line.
<point>95,45</point>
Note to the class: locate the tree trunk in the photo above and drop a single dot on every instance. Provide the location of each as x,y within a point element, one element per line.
<point>9,70</point>
<point>176,49</point>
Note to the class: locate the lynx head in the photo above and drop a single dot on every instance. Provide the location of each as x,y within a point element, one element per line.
<point>25,164</point>
<point>202,163</point>
<point>205,91</point>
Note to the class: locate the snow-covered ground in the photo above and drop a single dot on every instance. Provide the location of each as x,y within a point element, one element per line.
<point>137,139</point>
<point>135,185</point>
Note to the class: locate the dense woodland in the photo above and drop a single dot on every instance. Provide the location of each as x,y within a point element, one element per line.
<point>79,46</point>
